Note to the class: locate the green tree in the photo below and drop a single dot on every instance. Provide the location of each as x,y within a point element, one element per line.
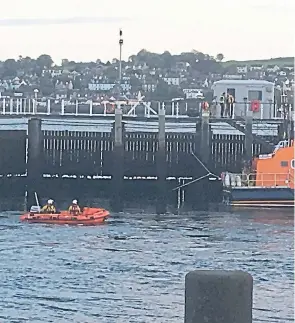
<point>10,67</point>
<point>135,84</point>
<point>220,57</point>
<point>168,60</point>
<point>46,85</point>
<point>44,61</point>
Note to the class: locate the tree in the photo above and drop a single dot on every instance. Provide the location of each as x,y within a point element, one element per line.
<point>27,64</point>
<point>46,85</point>
<point>10,67</point>
<point>219,57</point>
<point>132,58</point>
<point>135,84</point>
<point>168,60</point>
<point>44,61</point>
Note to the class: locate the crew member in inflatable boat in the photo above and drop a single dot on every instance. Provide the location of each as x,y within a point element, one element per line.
<point>74,208</point>
<point>49,207</point>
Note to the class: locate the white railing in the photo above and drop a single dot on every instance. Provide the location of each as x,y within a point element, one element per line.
<point>258,180</point>
<point>33,106</point>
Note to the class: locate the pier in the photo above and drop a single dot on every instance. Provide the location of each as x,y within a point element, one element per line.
<point>163,160</point>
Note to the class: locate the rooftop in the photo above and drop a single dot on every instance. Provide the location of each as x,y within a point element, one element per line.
<point>244,82</point>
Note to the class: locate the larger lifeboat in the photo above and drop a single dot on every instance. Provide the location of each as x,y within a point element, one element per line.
<point>89,216</point>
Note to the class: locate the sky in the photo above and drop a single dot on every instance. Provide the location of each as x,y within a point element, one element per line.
<point>85,30</point>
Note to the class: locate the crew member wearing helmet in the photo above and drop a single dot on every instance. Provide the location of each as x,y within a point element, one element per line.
<point>74,208</point>
<point>49,207</point>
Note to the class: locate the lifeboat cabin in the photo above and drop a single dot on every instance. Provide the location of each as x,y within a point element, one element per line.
<point>269,183</point>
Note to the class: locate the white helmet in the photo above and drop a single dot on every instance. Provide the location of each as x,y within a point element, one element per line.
<point>50,201</point>
<point>75,202</point>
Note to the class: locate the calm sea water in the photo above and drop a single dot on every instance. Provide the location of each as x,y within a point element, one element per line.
<point>132,269</point>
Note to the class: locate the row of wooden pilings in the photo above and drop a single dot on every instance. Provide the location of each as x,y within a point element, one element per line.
<point>35,147</point>
<point>204,153</point>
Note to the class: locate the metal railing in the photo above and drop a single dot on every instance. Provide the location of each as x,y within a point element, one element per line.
<point>62,107</point>
<point>33,106</point>
<point>259,180</point>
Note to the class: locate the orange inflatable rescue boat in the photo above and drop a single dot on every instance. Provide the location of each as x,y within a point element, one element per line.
<point>89,216</point>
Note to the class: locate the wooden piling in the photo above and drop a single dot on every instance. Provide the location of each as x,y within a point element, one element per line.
<point>248,137</point>
<point>118,163</point>
<point>35,160</point>
<point>205,137</point>
<point>217,296</point>
<point>161,165</point>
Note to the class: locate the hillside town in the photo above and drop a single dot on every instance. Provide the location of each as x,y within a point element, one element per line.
<point>189,75</point>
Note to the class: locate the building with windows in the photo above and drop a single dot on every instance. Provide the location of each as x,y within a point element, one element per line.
<point>249,91</point>
<point>172,80</point>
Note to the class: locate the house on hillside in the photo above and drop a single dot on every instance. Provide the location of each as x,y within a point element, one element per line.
<point>272,68</point>
<point>242,69</point>
<point>256,67</point>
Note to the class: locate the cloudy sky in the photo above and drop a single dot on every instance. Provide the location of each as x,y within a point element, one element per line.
<point>88,29</point>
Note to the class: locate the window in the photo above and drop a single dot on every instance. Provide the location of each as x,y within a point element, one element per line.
<point>254,95</point>
<point>232,92</point>
<point>284,163</point>
<point>293,163</point>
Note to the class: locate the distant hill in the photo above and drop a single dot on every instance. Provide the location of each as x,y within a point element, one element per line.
<point>280,61</point>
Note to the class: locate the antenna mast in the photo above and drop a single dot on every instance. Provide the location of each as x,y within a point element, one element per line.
<point>120,59</point>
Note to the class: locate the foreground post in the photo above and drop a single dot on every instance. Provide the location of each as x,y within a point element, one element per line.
<point>217,296</point>
<point>118,163</point>
<point>205,137</point>
<point>161,165</point>
<point>35,160</point>
<point>248,136</point>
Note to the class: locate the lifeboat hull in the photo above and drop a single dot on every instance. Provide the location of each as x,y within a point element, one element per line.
<point>89,217</point>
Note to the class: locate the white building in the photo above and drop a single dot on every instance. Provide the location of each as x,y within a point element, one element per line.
<point>272,69</point>
<point>242,69</point>
<point>107,86</point>
<point>53,73</point>
<point>172,80</point>
<point>149,87</point>
<point>248,90</point>
<point>193,93</point>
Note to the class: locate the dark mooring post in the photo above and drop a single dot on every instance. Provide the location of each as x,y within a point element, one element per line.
<point>118,163</point>
<point>205,137</point>
<point>248,137</point>
<point>217,296</point>
<point>35,160</point>
<point>161,165</point>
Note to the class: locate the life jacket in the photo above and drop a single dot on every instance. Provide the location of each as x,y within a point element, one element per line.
<point>230,99</point>
<point>49,208</point>
<point>74,208</point>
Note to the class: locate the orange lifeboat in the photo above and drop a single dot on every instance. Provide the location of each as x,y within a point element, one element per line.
<point>89,216</point>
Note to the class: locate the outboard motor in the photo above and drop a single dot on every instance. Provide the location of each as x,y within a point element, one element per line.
<point>35,209</point>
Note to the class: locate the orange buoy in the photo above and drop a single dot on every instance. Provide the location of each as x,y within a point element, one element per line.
<point>255,105</point>
<point>111,108</point>
<point>205,106</point>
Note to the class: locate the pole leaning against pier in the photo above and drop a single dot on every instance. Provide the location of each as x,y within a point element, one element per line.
<point>35,160</point>
<point>248,136</point>
<point>217,296</point>
<point>161,206</point>
<point>205,136</point>
<point>118,163</point>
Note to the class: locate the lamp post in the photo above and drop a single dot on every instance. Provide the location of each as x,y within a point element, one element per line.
<point>120,57</point>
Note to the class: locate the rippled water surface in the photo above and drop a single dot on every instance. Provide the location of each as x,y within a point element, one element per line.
<point>132,269</point>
